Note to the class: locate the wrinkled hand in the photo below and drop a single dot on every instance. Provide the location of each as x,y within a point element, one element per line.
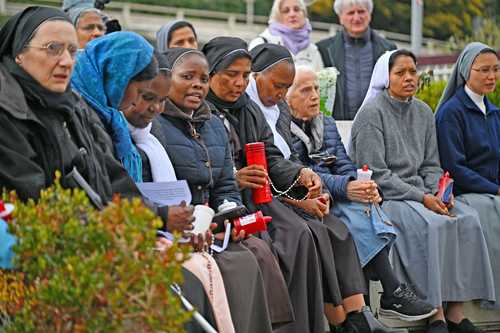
<point>252,177</point>
<point>318,207</point>
<point>363,191</point>
<point>433,203</point>
<point>180,218</point>
<point>235,237</point>
<point>311,181</point>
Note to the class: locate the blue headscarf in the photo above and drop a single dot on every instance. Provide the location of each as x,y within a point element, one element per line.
<point>102,73</point>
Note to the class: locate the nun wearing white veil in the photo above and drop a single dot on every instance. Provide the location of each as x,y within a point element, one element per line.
<point>468,130</point>
<point>440,248</point>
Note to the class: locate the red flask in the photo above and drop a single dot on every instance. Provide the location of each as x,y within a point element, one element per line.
<point>256,154</point>
<point>252,223</point>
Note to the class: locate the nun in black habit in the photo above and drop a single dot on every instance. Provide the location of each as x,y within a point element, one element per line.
<point>198,147</point>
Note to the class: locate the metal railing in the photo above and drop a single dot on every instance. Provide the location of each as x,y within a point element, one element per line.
<point>127,9</point>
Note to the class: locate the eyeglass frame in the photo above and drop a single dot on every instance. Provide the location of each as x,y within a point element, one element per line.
<point>59,53</point>
<point>486,70</point>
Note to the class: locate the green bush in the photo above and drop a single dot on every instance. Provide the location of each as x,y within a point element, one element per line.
<point>431,93</point>
<point>85,270</point>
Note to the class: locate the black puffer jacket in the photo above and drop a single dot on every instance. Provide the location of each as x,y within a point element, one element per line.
<point>31,152</point>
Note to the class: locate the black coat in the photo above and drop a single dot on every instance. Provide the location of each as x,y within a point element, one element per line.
<point>31,151</point>
<point>251,126</point>
<point>332,52</point>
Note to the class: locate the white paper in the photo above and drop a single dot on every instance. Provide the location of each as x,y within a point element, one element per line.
<point>166,193</point>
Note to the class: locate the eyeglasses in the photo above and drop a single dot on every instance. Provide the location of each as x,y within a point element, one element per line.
<point>56,49</point>
<point>485,70</point>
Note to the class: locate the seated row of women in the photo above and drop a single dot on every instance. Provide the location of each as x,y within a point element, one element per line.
<point>121,113</point>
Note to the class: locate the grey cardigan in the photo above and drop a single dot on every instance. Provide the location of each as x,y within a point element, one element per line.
<point>397,140</point>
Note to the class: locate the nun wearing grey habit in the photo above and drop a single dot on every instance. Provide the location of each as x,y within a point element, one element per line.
<point>474,167</point>
<point>444,257</point>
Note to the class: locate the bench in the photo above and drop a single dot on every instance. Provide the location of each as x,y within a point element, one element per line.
<point>487,320</point>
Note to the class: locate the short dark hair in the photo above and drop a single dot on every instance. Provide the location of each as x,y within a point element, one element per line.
<point>149,72</point>
<point>401,53</point>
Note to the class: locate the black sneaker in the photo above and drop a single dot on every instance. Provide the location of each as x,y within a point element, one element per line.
<point>405,305</point>
<point>437,326</point>
<point>465,326</point>
<point>365,322</point>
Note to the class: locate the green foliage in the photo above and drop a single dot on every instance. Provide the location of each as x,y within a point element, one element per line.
<point>92,271</point>
<point>489,34</point>
<point>431,93</point>
<point>442,18</point>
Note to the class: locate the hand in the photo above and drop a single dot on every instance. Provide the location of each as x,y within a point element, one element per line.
<point>433,203</point>
<point>180,218</point>
<point>498,192</point>
<point>315,207</point>
<point>253,177</point>
<point>162,244</point>
<point>311,181</point>
<point>235,237</point>
<point>202,242</point>
<point>363,191</point>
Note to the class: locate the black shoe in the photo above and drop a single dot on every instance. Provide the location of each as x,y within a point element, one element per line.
<point>405,305</point>
<point>437,326</point>
<point>365,322</point>
<point>465,326</point>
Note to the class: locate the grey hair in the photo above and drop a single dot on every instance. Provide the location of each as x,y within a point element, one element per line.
<point>340,5</point>
<point>299,69</point>
<point>275,10</point>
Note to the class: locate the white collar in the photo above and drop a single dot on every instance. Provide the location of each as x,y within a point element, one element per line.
<point>476,98</point>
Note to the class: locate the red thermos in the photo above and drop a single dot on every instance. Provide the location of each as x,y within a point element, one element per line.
<point>256,154</point>
<point>252,223</point>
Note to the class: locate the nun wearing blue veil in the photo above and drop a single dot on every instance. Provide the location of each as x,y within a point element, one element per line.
<point>110,74</point>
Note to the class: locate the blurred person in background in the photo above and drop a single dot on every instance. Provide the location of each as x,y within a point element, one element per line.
<point>177,33</point>
<point>290,27</point>
<point>354,52</point>
<point>88,20</point>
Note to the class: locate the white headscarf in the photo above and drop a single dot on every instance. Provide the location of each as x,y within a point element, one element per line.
<point>271,113</point>
<point>380,77</point>
<point>162,169</point>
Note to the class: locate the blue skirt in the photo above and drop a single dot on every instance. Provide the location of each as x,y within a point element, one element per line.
<point>369,227</point>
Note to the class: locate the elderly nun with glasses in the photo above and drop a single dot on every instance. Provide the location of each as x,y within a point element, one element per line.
<point>468,131</point>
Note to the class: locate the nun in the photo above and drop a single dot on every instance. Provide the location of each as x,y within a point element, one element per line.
<point>87,19</point>
<point>341,287</point>
<point>198,147</point>
<point>440,247</point>
<point>468,133</point>
<point>177,33</point>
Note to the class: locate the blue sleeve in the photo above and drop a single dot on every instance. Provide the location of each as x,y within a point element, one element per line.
<point>452,154</point>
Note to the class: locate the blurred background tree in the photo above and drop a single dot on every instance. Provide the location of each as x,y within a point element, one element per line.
<point>443,18</point>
